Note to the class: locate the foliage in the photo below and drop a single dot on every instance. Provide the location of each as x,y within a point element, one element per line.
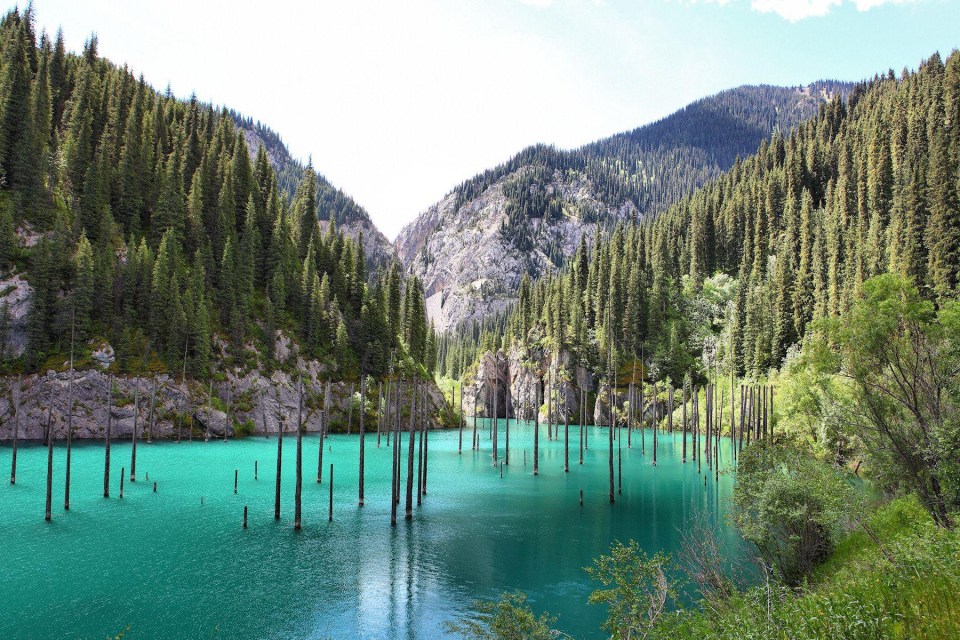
<point>159,228</point>
<point>867,186</point>
<point>900,581</point>
<point>901,355</point>
<point>790,506</point>
<point>637,589</point>
<point>509,618</point>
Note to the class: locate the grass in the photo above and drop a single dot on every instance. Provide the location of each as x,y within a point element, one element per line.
<point>900,580</point>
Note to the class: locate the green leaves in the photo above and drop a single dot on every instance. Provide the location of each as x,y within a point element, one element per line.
<point>509,618</point>
<point>636,589</point>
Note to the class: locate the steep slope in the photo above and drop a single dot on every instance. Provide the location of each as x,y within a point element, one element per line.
<point>331,202</point>
<point>526,216</point>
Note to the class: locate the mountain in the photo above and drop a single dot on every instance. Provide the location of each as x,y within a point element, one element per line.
<point>525,217</point>
<point>350,217</point>
<point>749,264</point>
<point>158,234</point>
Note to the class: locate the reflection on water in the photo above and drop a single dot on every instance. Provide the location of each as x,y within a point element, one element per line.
<point>177,563</point>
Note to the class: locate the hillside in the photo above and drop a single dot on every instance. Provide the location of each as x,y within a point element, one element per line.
<point>526,216</point>
<point>162,237</point>
<point>333,203</point>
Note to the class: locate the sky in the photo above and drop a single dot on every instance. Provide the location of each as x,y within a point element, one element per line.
<point>397,102</point>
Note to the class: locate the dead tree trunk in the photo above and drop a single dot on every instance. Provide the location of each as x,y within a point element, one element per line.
<point>276,498</point>
<point>16,433</point>
<point>413,404</point>
<point>133,450</point>
<point>379,410</point>
<point>66,487</point>
<point>363,389</point>
<point>49,510</point>
<point>536,431</point>
<point>684,458</point>
<point>298,487</point>
<point>566,436</point>
<point>506,445</point>
<point>106,439</point>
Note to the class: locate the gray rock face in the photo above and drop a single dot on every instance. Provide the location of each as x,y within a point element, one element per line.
<point>257,405</point>
<point>470,267</point>
<point>15,293</point>
<point>523,377</point>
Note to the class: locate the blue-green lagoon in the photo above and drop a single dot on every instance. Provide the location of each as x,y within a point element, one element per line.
<point>178,564</point>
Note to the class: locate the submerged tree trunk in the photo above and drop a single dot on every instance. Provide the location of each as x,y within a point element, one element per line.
<point>298,487</point>
<point>106,439</point>
<point>16,433</point>
<point>413,404</point>
<point>66,487</point>
<point>536,430</point>
<point>276,498</point>
<point>363,389</point>
<point>133,449</point>
<point>49,510</point>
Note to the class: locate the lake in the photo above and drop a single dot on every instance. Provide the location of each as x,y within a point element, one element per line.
<point>178,564</point>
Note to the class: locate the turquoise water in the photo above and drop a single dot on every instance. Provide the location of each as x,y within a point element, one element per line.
<point>177,563</point>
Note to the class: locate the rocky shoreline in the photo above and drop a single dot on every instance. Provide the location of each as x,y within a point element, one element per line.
<point>256,404</point>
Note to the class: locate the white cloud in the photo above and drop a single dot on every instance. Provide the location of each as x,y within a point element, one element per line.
<point>795,10</point>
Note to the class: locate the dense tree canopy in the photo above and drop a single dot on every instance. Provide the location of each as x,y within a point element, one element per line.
<point>785,238</point>
<point>157,227</point>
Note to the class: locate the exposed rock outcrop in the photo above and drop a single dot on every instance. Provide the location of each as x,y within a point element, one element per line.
<point>257,404</point>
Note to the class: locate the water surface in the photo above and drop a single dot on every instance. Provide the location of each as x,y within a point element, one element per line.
<point>177,563</point>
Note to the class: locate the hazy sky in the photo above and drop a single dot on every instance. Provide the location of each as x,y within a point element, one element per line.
<point>399,101</point>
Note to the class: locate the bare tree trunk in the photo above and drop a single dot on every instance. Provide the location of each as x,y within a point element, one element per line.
<point>476,401</point>
<point>395,481</point>
<point>684,459</point>
<point>460,421</point>
<point>426,439</point>
<point>16,433</point>
<point>506,448</point>
<point>276,498</point>
<point>413,404</point>
<point>420,412</point>
<point>610,384</point>
<point>106,439</point>
<point>133,450</point>
<point>363,389</point>
<point>566,436</point>
<point>49,510</point>
<point>66,488</point>
<point>496,413</point>
<point>298,487</point>
<point>536,431</point>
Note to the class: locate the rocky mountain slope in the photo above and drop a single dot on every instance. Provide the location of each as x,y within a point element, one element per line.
<point>526,216</point>
<point>331,201</point>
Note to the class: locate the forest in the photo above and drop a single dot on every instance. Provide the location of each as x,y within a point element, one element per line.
<point>146,222</point>
<point>826,265</point>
